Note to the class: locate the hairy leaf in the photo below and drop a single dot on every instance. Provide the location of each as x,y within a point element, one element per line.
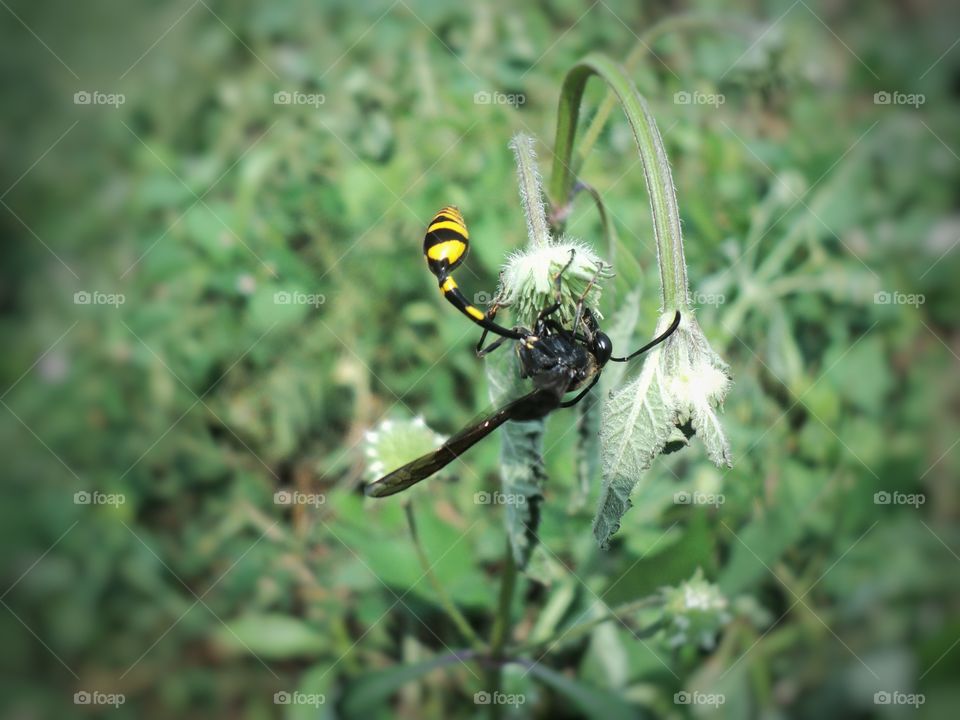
<point>621,333</point>
<point>637,421</point>
<point>522,472</point>
<point>682,381</point>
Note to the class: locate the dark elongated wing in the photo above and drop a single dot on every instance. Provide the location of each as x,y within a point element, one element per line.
<point>532,406</point>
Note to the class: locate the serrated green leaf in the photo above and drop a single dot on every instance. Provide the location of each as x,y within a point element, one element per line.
<point>681,381</point>
<point>522,471</point>
<point>637,421</point>
<point>621,332</point>
<point>587,450</point>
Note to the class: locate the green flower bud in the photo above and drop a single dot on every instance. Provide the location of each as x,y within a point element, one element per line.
<point>694,611</point>
<point>394,443</point>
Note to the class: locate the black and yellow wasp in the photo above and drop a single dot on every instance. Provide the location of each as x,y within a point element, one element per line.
<point>557,359</point>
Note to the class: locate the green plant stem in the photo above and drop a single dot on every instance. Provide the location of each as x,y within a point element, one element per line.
<point>442,596</point>
<point>531,190</point>
<point>656,168</point>
<point>501,626</point>
<point>584,628</point>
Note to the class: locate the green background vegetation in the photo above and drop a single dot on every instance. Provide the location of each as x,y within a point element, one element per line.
<point>199,397</point>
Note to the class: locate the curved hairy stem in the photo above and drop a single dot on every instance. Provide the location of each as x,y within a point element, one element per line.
<point>656,168</point>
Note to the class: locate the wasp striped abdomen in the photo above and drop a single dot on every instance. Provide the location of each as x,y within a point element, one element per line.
<point>446,242</point>
<point>445,246</point>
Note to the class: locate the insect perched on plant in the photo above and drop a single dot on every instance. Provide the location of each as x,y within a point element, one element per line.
<point>557,359</point>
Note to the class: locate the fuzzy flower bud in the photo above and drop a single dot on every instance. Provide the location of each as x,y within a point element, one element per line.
<point>528,281</point>
<point>394,443</point>
<point>695,611</point>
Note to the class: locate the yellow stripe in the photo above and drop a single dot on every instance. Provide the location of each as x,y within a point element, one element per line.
<point>449,250</point>
<point>474,313</point>
<point>449,225</point>
<point>455,216</point>
<point>448,285</point>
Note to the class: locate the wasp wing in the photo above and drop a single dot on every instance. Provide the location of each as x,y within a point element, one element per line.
<point>532,406</point>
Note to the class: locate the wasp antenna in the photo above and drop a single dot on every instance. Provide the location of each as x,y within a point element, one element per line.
<point>653,343</point>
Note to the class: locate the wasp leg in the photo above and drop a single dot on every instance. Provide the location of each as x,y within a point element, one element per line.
<point>553,325</point>
<point>580,308</point>
<point>491,314</point>
<point>550,309</point>
<point>481,350</point>
<point>583,393</point>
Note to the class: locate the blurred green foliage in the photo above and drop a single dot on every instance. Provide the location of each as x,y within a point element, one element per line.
<point>201,395</point>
